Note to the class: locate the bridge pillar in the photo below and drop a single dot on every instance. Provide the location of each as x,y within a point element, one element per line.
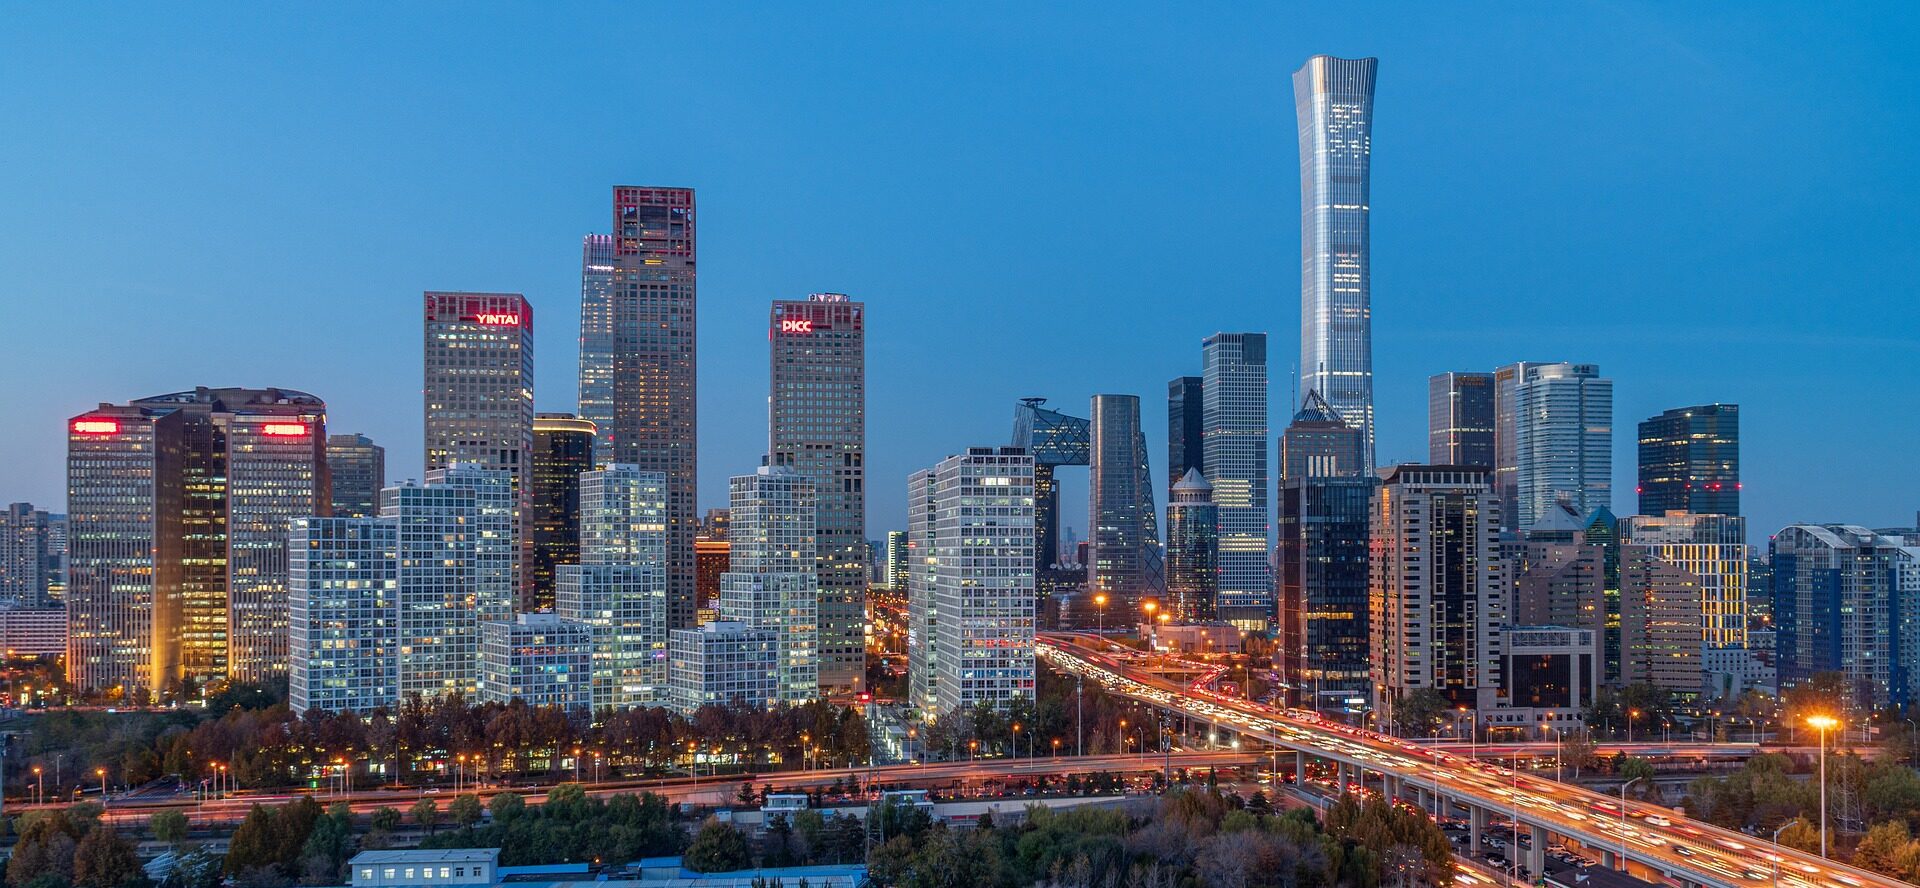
<point>1389,787</point>
<point>1609,859</point>
<point>1537,855</point>
<point>1476,821</point>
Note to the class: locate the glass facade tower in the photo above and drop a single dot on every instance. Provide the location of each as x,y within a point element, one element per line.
<point>1690,461</point>
<point>563,448</point>
<point>1460,419</point>
<point>1234,444</point>
<point>1563,440</point>
<point>1321,559</point>
<point>596,340</point>
<point>1123,528</point>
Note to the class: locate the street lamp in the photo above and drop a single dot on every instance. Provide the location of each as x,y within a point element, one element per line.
<point>102,773</point>
<point>1100,610</point>
<point>1631,715</point>
<point>1149,606</point>
<point>1056,748</point>
<point>1823,724</point>
<point>39,786</point>
<point>1776,852</point>
<point>1016,740</point>
<point>1623,821</point>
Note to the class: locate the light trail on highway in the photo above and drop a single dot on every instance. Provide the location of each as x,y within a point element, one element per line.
<point>1655,837</point>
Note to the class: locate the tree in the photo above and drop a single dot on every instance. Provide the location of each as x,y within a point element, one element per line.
<point>718,848</point>
<point>1579,751</point>
<point>426,813</point>
<point>465,810</point>
<point>385,819</point>
<point>168,826</point>
<point>252,844</point>
<point>105,860</point>
<point>1801,835</point>
<point>1884,848</point>
<point>506,806</point>
<point>1638,769</point>
<point>1419,713</point>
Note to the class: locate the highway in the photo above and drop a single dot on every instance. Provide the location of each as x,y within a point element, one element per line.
<point>1659,842</point>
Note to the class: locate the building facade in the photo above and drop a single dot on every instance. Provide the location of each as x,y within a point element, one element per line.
<point>1234,451</point>
<point>1690,461</point>
<point>655,423</point>
<point>1713,549</point>
<point>923,672</point>
<point>1840,604</point>
<point>1660,622</point>
<point>563,448</point>
<point>1186,426</point>
<point>1460,419</point>
<point>344,597</point>
<point>1193,551</point>
<point>1333,105</point>
<point>1322,560</point>
<point>817,425</point>
<point>1563,440</point>
<point>771,581</point>
<point>1506,453</point>
<point>595,404</point>
<point>1122,526</point>
<point>359,470</point>
<point>896,560</point>
<point>982,577</point>
<point>541,659</point>
<point>26,558</point>
<point>619,588</point>
<point>1438,595</point>
<point>724,662</point>
<point>33,632</point>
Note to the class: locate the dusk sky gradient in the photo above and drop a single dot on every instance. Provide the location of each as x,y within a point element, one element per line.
<point>1713,203</point>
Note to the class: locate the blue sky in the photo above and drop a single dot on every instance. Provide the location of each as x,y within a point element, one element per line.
<point>1713,203</point>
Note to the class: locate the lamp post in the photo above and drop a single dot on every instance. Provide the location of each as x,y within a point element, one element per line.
<point>39,786</point>
<point>1823,723</point>
<point>1100,611</point>
<point>1631,715</point>
<point>1776,852</point>
<point>1149,606</point>
<point>102,773</point>
<point>1016,741</point>
<point>1623,821</point>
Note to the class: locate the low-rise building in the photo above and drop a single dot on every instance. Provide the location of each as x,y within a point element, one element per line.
<point>1550,674</point>
<point>463,866</point>
<point>33,631</point>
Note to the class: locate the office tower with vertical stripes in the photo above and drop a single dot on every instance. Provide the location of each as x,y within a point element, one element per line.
<point>1460,419</point>
<point>1234,461</point>
<point>563,448</point>
<point>359,470</point>
<point>1321,559</point>
<point>1333,105</point>
<point>817,426</point>
<point>1193,551</point>
<point>1123,527</point>
<point>595,403</point>
<point>655,411</point>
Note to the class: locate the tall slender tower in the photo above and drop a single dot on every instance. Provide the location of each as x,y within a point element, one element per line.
<point>1234,443</point>
<point>479,394</point>
<point>563,449</point>
<point>596,340</point>
<point>655,421</point>
<point>1186,414</point>
<point>817,426</point>
<point>1460,419</point>
<point>1333,101</point>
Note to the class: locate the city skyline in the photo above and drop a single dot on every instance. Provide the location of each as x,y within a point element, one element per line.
<point>364,309</point>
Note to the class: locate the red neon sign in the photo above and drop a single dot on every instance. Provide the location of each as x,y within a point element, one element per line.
<point>796,325</point>
<point>284,429</point>
<point>96,427</point>
<point>497,319</point>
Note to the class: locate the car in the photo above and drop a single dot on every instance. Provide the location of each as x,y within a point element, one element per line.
<point>1658,820</point>
<point>1682,850</point>
<point>1755,875</point>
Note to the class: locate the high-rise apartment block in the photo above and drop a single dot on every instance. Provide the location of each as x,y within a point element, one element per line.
<point>1690,461</point>
<point>1321,560</point>
<point>724,662</point>
<point>596,341</point>
<point>1193,550</point>
<point>771,581</point>
<point>1438,599</point>
<point>619,588</point>
<point>1711,549</point>
<point>1186,426</point>
<point>1563,440</point>
<point>26,563</point>
<point>655,423</point>
<point>1460,419</point>
<point>343,599</point>
<point>896,560</point>
<point>359,470</point>
<point>972,594</point>
<point>817,425</point>
<point>563,449</point>
<point>179,511</point>
<point>1333,105</point>
<point>1847,599</point>
<point>1124,529</point>
<point>479,395</point>
<point>456,550</point>
<point>1234,448</point>
<point>541,659</point>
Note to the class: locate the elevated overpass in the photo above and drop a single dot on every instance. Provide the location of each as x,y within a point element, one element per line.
<point>1647,840</point>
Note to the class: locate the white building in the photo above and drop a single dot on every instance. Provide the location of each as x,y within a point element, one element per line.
<point>1437,597</point>
<point>619,588</point>
<point>342,603</point>
<point>1563,439</point>
<point>771,582</point>
<point>413,867</point>
<point>539,658</point>
<point>983,593</point>
<point>724,661</point>
<point>923,673</point>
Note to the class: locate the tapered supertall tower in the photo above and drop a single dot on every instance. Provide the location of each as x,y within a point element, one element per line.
<point>1333,100</point>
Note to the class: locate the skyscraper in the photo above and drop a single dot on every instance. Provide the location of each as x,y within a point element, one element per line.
<point>923,667</point>
<point>1844,600</point>
<point>1333,103</point>
<point>1438,596</point>
<point>479,394</point>
<point>1125,531</point>
<point>180,507</point>
<point>897,557</point>
<point>1321,559</point>
<point>655,414</point>
<point>978,508</point>
<point>359,469</point>
<point>1193,550</point>
<point>1563,440</point>
<point>1690,461</point>
<point>25,564</point>
<point>456,549</point>
<point>596,340</point>
<point>619,586</point>
<point>1234,443</point>
<point>772,580</point>
<point>1711,550</point>
<point>343,602</point>
<point>1460,419</point>
<point>1506,459</point>
<point>817,425</point>
<point>1186,425</point>
<point>562,451</point>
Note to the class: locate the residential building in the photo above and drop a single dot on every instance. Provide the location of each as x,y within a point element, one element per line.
<point>619,588</point>
<point>1660,622</point>
<point>1438,592</point>
<point>983,594</point>
<point>1563,440</point>
<point>179,510</point>
<point>817,426</point>
<point>1234,443</point>
<point>655,424</point>
<point>1690,461</point>
<point>1322,560</point>
<point>923,666</point>
<point>1186,426</point>
<point>1333,105</point>
<point>26,564</point>
<point>771,581</point>
<point>542,659</point>
<point>563,448</point>
<point>1125,536</point>
<point>597,338</point>
<point>1460,419</point>
<point>495,526</point>
<point>1559,579</point>
<point>1193,551</point>
<point>722,662</point>
<point>33,632</point>
<point>1713,549</point>
<point>359,470</point>
<point>343,597</point>
<point>1841,603</point>
<point>438,587</point>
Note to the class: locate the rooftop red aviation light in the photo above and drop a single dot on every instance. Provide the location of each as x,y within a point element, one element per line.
<point>96,426</point>
<point>284,429</point>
